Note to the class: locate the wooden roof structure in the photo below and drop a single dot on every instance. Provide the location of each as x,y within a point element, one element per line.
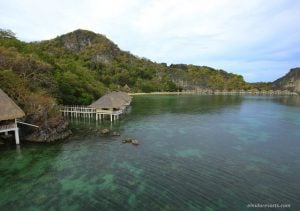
<point>8,108</point>
<point>112,100</point>
<point>123,95</point>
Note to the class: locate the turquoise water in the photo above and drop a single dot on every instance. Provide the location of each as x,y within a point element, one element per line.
<point>196,153</point>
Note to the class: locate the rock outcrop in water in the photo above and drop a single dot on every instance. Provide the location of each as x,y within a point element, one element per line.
<point>56,131</point>
<point>115,133</point>
<point>291,81</point>
<point>51,125</point>
<point>130,141</point>
<point>104,131</point>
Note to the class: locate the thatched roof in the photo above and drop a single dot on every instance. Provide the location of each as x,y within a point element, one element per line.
<point>108,101</point>
<point>9,110</point>
<point>115,99</point>
<point>122,95</point>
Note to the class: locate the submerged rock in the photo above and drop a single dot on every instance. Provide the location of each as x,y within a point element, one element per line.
<point>126,140</point>
<point>104,131</point>
<point>130,141</point>
<point>115,133</point>
<point>135,142</point>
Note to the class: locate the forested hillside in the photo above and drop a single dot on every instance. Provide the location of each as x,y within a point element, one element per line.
<point>79,67</point>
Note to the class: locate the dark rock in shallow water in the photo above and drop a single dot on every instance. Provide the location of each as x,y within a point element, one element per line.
<point>126,140</point>
<point>104,131</point>
<point>115,133</point>
<point>130,141</point>
<point>135,142</point>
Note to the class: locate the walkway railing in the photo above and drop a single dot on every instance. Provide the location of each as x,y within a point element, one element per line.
<point>78,111</point>
<point>8,126</point>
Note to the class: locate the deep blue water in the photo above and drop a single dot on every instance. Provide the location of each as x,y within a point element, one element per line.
<point>196,153</point>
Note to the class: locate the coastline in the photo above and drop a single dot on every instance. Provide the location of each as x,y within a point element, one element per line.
<point>210,92</point>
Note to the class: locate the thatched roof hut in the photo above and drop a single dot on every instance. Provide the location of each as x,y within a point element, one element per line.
<point>109,101</point>
<point>122,95</point>
<point>9,110</point>
<point>126,87</point>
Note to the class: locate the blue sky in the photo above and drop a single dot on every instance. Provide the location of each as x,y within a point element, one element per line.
<point>258,39</point>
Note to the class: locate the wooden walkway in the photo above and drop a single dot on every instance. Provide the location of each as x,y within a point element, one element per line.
<point>78,111</point>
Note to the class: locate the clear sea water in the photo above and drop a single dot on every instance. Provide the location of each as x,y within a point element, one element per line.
<point>196,153</point>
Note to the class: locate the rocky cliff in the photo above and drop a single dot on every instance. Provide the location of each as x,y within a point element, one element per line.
<point>52,126</point>
<point>57,131</point>
<point>291,81</point>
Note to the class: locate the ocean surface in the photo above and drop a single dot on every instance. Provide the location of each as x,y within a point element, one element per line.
<point>196,153</point>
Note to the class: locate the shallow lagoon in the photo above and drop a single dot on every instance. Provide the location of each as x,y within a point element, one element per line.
<point>195,153</point>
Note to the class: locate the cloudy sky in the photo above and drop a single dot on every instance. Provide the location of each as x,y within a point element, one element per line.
<point>258,39</point>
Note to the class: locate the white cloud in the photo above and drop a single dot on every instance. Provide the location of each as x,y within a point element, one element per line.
<point>248,37</point>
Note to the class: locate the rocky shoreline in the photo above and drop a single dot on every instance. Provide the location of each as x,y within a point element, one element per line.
<point>221,92</point>
<point>52,133</point>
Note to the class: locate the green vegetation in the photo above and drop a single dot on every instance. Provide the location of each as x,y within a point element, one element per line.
<point>202,77</point>
<point>81,66</point>
<point>263,86</point>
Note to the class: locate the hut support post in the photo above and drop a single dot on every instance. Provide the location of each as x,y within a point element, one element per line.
<point>17,136</point>
<point>17,133</point>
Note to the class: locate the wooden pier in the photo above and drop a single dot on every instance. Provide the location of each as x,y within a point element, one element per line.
<point>111,105</point>
<point>79,111</point>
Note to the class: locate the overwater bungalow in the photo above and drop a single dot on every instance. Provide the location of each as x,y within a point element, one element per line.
<point>112,104</point>
<point>9,113</point>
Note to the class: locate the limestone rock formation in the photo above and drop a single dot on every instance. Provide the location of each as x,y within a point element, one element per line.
<point>291,81</point>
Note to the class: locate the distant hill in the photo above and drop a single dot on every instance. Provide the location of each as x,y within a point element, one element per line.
<point>291,81</point>
<point>86,53</point>
<point>80,66</point>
